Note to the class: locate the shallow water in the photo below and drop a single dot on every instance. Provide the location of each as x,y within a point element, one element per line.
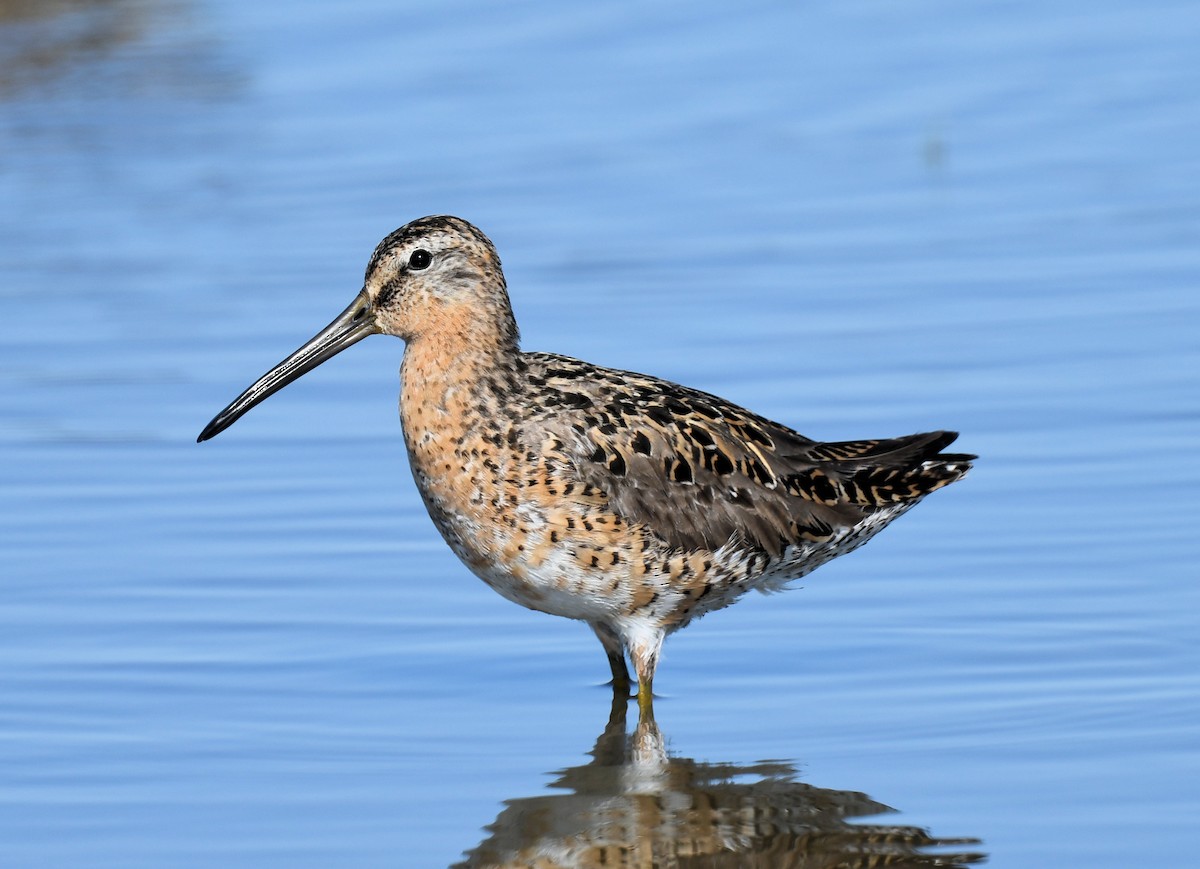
<point>860,219</point>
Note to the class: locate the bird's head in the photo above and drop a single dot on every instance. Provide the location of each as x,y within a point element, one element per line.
<point>434,279</point>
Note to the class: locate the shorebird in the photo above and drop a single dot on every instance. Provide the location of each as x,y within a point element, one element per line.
<point>631,503</point>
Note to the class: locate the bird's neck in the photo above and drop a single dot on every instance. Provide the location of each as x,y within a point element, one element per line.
<point>453,402</point>
<point>450,379</point>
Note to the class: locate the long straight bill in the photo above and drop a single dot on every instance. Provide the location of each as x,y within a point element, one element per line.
<point>349,327</point>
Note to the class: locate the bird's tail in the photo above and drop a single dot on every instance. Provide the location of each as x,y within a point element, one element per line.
<point>878,473</point>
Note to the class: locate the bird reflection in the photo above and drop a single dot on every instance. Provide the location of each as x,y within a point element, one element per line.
<point>634,805</point>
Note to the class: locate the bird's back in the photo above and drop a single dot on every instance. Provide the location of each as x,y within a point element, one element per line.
<point>700,471</point>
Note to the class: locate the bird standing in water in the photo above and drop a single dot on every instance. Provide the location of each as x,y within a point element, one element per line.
<point>631,503</point>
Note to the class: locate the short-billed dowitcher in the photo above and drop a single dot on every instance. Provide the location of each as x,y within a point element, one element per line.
<point>631,503</point>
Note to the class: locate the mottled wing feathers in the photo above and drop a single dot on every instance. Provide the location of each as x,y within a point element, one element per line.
<point>700,471</point>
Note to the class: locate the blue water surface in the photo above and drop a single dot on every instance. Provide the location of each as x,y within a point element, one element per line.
<point>862,219</point>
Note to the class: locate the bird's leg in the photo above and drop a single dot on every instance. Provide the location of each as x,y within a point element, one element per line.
<point>620,679</point>
<point>645,698</point>
<point>644,654</point>
<point>615,650</point>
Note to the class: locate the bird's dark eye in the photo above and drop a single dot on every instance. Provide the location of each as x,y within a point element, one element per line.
<point>420,259</point>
